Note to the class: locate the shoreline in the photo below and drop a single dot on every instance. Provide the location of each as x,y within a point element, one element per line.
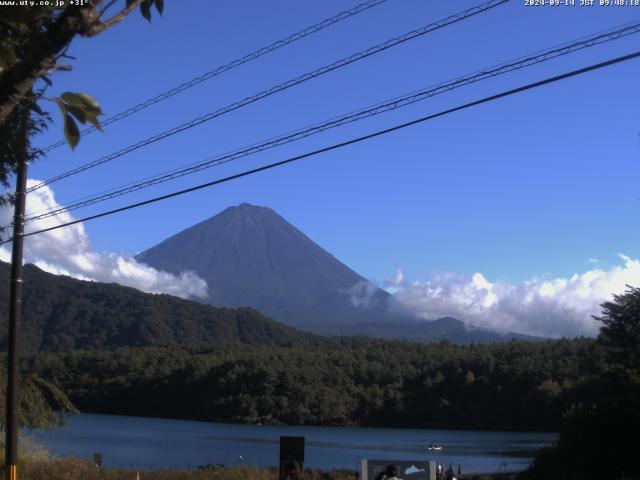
<point>304,425</point>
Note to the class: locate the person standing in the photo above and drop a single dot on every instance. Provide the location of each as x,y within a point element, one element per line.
<point>392,472</point>
<point>381,476</point>
<point>294,471</point>
<point>450,475</point>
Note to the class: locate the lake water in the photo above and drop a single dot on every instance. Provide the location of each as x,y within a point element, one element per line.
<point>149,443</point>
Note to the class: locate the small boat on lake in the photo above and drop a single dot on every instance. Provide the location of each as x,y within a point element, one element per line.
<point>435,446</point>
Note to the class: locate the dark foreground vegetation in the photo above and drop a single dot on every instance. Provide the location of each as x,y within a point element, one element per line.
<point>600,435</point>
<point>75,469</point>
<point>39,466</point>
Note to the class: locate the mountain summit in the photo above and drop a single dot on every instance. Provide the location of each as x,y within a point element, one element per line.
<point>251,256</point>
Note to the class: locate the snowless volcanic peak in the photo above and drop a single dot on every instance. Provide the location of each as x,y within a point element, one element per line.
<point>251,256</point>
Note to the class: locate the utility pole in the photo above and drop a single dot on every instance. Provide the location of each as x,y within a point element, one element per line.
<point>15,312</point>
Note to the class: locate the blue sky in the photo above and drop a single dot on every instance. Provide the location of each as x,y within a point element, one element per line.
<point>540,184</point>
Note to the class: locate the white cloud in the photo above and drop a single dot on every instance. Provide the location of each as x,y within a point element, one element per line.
<point>68,251</point>
<point>362,294</point>
<point>394,283</point>
<point>397,279</point>
<point>547,307</point>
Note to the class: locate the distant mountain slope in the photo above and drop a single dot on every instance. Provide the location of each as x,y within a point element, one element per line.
<point>251,256</point>
<point>62,313</point>
<point>445,328</point>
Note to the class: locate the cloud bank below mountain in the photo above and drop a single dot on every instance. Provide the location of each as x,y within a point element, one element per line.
<point>68,251</point>
<point>552,307</point>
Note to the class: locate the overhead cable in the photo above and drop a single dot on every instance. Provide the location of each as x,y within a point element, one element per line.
<point>336,146</point>
<point>517,64</point>
<point>224,68</point>
<point>278,88</point>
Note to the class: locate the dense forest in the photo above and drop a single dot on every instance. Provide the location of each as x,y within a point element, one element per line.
<point>516,385</point>
<point>61,313</point>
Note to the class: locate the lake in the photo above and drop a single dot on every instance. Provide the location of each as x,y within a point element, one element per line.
<point>150,443</point>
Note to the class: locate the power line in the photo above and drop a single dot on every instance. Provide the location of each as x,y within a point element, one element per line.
<point>278,88</point>
<point>521,62</point>
<point>224,68</point>
<point>352,141</point>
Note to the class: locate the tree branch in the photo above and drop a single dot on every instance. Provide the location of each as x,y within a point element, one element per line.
<point>57,67</point>
<point>45,48</point>
<point>99,26</point>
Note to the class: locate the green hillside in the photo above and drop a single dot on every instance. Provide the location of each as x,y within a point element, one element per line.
<point>61,313</point>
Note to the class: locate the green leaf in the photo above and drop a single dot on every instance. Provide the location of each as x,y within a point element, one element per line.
<point>71,131</point>
<point>91,118</point>
<point>159,6</point>
<point>78,112</point>
<point>145,9</point>
<point>83,107</point>
<point>82,100</point>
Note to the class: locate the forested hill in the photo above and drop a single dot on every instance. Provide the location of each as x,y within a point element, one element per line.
<point>61,313</point>
<point>514,386</point>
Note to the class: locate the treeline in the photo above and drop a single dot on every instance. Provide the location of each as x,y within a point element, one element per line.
<point>515,385</point>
